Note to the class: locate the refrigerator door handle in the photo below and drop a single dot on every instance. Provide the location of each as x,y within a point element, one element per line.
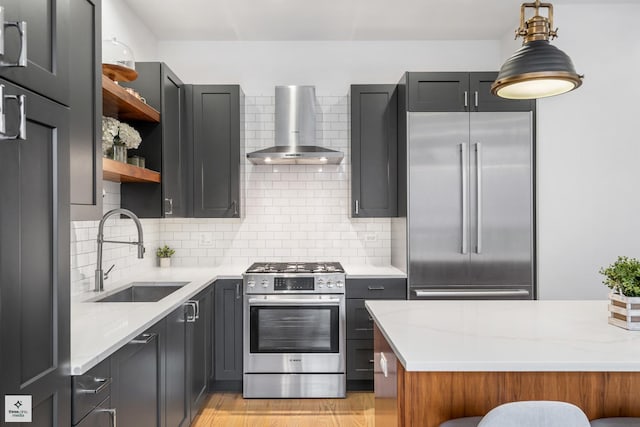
<point>478,198</point>
<point>465,196</point>
<point>443,293</point>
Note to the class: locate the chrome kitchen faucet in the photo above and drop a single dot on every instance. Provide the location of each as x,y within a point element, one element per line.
<point>99,287</point>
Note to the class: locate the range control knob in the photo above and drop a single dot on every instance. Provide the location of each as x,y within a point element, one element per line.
<point>251,284</point>
<point>265,284</point>
<point>339,283</point>
<point>320,281</point>
<point>329,284</point>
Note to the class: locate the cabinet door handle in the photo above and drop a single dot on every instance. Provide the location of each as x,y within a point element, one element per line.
<point>104,383</point>
<point>112,413</point>
<point>22,104</point>
<point>170,202</point>
<point>237,290</point>
<point>21,26</point>
<point>364,329</point>
<point>234,206</point>
<point>191,318</point>
<point>143,339</point>
<point>475,94</point>
<point>357,207</point>
<point>364,370</point>
<point>375,288</point>
<point>466,99</point>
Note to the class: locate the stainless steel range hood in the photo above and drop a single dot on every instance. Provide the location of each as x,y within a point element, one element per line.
<point>295,131</point>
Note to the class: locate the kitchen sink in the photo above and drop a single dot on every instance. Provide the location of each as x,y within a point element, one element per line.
<point>143,292</point>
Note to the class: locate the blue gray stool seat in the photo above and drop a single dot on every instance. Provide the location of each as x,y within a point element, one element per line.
<point>616,422</point>
<point>534,413</point>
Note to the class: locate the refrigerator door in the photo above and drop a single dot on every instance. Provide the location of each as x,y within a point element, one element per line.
<point>438,156</point>
<point>500,199</point>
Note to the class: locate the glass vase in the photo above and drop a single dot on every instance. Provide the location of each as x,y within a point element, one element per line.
<point>119,153</point>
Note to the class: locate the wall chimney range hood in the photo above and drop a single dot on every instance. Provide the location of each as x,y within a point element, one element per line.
<point>295,131</point>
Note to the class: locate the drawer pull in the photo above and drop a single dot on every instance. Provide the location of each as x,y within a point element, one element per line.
<point>364,370</point>
<point>112,414</point>
<point>375,288</point>
<point>104,384</point>
<point>364,329</point>
<point>370,360</point>
<point>143,339</point>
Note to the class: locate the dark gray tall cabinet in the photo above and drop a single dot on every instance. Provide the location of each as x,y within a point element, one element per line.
<point>227,356</point>
<point>86,110</point>
<point>374,151</point>
<point>215,134</point>
<point>34,258</point>
<point>163,145</point>
<point>34,214</point>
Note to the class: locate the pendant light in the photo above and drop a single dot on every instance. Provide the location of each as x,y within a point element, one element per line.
<point>537,69</point>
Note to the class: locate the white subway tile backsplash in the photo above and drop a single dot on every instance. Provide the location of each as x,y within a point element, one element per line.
<point>291,212</point>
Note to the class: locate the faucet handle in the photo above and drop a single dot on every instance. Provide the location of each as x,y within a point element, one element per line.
<point>106,275</point>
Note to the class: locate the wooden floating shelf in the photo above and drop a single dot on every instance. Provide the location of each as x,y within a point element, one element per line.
<point>123,172</point>
<point>120,104</point>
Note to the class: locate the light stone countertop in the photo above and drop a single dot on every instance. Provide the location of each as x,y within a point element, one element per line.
<point>355,271</point>
<point>505,336</point>
<point>100,329</point>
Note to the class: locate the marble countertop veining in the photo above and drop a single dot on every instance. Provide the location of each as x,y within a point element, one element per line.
<point>505,336</point>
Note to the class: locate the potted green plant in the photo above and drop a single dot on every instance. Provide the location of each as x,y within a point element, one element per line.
<point>164,253</point>
<point>623,278</point>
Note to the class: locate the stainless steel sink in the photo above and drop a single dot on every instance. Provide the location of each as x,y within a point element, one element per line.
<point>143,292</point>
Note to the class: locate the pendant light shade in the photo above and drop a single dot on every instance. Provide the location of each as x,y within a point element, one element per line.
<point>538,69</point>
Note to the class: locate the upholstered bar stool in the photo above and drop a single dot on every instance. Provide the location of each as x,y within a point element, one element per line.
<point>534,413</point>
<point>616,422</point>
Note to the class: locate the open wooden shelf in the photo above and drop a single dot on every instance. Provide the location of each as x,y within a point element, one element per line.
<point>122,172</point>
<point>120,104</point>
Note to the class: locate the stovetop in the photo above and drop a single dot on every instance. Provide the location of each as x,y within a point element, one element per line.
<point>295,267</point>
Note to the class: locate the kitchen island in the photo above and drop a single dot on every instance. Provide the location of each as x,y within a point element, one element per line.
<point>438,360</point>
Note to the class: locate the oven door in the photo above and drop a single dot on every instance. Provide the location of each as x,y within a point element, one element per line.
<point>294,333</point>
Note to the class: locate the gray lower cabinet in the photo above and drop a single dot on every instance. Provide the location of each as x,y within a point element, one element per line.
<point>228,335</point>
<point>360,325</point>
<point>102,416</point>
<point>176,398</point>
<point>34,257</point>
<point>374,151</point>
<point>163,145</point>
<point>86,110</point>
<point>216,113</point>
<point>199,348</point>
<point>136,392</point>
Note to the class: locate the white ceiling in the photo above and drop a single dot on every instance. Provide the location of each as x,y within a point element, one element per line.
<point>332,19</point>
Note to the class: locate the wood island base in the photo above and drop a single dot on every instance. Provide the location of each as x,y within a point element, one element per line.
<point>414,399</point>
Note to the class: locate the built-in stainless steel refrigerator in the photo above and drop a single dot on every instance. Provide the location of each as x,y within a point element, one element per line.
<point>470,210</point>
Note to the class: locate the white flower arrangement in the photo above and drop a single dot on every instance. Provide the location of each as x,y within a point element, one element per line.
<point>115,132</point>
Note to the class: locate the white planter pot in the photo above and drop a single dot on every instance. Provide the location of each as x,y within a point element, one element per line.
<point>624,311</point>
<point>165,262</point>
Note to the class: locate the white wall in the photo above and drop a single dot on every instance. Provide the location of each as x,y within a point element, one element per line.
<point>588,154</point>
<point>120,22</point>
<point>329,65</point>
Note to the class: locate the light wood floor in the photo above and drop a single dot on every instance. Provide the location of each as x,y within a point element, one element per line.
<point>231,410</point>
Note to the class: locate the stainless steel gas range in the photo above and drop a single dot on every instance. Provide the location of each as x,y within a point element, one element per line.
<point>294,330</point>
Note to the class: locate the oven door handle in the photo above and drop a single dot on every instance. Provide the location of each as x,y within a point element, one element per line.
<point>289,301</point>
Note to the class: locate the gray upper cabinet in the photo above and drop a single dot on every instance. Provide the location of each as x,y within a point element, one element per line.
<point>47,70</point>
<point>215,111</point>
<point>374,151</point>
<point>86,110</point>
<point>34,258</point>
<point>163,145</point>
<point>458,92</point>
